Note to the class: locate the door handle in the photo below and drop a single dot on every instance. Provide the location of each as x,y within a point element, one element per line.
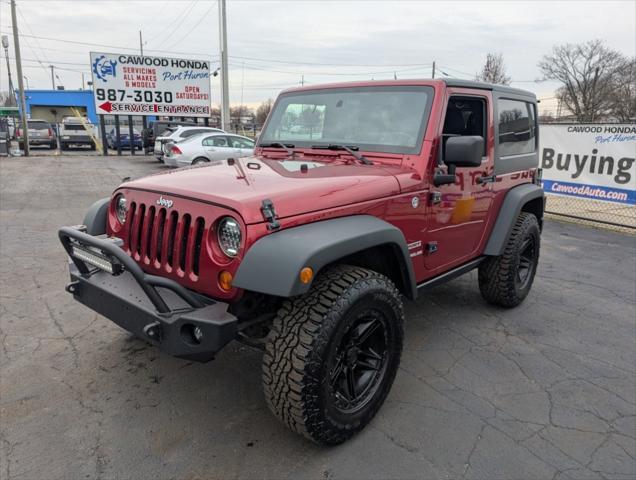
<point>487,179</point>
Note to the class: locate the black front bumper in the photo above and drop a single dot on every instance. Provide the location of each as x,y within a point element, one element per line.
<point>159,310</point>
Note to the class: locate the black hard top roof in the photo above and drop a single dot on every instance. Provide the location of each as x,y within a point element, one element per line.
<point>455,82</point>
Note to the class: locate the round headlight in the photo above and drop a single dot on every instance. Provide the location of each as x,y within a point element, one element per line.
<point>121,209</point>
<point>229,235</point>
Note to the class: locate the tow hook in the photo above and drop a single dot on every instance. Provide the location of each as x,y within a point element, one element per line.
<point>153,331</point>
<point>72,288</point>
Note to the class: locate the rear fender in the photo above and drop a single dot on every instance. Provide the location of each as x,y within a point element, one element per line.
<point>526,197</point>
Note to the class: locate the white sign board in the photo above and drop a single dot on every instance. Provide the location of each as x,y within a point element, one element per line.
<point>590,161</point>
<point>125,84</point>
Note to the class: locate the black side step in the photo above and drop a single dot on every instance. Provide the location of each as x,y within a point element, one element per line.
<point>451,274</point>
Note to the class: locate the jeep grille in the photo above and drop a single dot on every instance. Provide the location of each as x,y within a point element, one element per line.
<point>167,240</point>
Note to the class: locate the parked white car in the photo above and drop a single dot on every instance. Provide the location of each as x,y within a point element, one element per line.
<point>207,148</point>
<point>176,135</point>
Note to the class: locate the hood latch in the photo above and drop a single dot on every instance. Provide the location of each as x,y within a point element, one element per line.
<point>269,214</point>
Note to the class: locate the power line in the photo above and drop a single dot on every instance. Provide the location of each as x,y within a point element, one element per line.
<point>298,72</point>
<point>195,25</point>
<point>163,30</point>
<point>31,30</point>
<point>291,62</point>
<point>118,47</point>
<point>179,22</point>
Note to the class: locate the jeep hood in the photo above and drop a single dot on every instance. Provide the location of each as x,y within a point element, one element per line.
<point>244,184</point>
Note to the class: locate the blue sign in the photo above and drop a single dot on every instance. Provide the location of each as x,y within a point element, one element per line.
<point>593,192</point>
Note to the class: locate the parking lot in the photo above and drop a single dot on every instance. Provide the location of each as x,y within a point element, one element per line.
<point>547,390</point>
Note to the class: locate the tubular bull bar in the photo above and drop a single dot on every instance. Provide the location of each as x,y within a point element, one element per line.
<point>107,280</point>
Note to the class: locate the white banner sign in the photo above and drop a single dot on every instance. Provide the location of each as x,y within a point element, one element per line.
<point>125,84</point>
<point>590,161</point>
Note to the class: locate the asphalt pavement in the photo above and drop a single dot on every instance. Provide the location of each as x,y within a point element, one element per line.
<point>543,391</point>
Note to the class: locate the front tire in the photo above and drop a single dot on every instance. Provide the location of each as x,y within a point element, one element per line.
<point>506,280</point>
<point>332,354</point>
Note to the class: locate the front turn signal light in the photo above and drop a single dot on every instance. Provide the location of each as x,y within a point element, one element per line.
<point>305,275</point>
<point>225,280</point>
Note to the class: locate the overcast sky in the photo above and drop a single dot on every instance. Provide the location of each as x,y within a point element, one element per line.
<point>272,44</point>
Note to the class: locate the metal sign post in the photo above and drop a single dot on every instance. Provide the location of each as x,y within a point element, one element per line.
<point>131,136</point>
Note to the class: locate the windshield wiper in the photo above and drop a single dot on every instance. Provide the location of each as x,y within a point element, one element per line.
<point>287,147</point>
<point>351,150</point>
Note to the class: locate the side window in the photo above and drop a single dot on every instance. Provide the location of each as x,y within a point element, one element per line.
<point>465,116</point>
<point>215,141</point>
<point>188,133</point>
<point>517,127</point>
<point>238,142</point>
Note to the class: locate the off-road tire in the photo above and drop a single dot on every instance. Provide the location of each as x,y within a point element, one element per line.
<point>302,344</point>
<point>498,281</point>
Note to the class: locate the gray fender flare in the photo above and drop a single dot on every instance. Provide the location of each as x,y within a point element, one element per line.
<point>514,201</point>
<point>95,218</point>
<point>272,264</point>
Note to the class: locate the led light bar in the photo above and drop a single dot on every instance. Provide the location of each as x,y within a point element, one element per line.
<point>96,260</point>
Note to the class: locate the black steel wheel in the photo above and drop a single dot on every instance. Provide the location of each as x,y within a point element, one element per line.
<point>527,262</point>
<point>359,363</point>
<point>506,280</point>
<point>332,354</point>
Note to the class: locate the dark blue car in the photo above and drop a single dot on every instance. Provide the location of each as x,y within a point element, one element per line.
<point>124,139</point>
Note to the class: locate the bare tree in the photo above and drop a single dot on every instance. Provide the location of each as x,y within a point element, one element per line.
<point>239,113</point>
<point>587,72</point>
<point>494,70</point>
<point>6,100</point>
<point>623,95</point>
<point>263,110</point>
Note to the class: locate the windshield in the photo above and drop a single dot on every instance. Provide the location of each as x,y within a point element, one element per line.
<point>388,119</point>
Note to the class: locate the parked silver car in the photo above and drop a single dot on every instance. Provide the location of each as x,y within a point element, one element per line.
<point>207,148</point>
<point>179,134</point>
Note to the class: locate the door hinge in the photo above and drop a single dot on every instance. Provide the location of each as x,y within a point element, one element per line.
<point>435,198</point>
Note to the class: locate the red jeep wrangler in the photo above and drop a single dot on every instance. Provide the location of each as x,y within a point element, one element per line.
<point>358,195</point>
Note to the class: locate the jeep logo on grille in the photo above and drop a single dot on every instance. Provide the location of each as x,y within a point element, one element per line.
<point>164,202</point>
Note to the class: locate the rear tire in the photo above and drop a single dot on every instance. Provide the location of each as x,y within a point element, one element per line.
<point>506,280</point>
<point>332,354</point>
<point>200,160</point>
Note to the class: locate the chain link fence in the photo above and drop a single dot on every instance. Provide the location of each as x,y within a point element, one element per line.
<point>592,212</point>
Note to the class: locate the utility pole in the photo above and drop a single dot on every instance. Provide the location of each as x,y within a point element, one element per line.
<point>18,66</point>
<point>141,44</point>
<point>225,83</point>
<point>5,45</point>
<point>302,80</point>
<point>433,73</point>
<point>52,76</point>
<point>83,81</point>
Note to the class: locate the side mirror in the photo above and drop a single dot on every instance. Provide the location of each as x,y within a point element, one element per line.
<point>460,152</point>
<point>464,151</point>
